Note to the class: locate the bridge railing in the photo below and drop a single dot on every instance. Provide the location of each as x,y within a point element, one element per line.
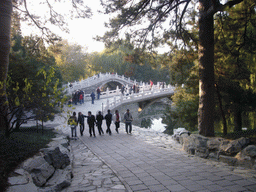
<point>155,91</point>
<point>117,92</point>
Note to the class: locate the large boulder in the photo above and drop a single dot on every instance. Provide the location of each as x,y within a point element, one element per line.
<point>233,147</point>
<point>33,163</point>
<point>227,159</point>
<point>56,158</point>
<point>61,179</point>
<point>250,151</point>
<point>213,144</point>
<point>247,156</point>
<point>196,144</point>
<point>41,174</point>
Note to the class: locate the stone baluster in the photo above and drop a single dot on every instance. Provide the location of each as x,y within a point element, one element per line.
<point>107,104</point>
<point>117,90</point>
<point>107,91</point>
<point>121,98</point>
<point>132,95</point>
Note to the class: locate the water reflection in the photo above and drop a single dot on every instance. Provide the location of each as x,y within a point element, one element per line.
<point>149,117</point>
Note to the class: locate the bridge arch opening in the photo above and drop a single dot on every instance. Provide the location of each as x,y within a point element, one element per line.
<point>112,85</point>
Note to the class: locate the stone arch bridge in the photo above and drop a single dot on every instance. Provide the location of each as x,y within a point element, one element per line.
<point>146,96</point>
<point>92,83</point>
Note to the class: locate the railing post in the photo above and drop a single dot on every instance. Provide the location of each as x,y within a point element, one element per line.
<point>107,104</point>
<point>107,92</point>
<point>117,90</point>
<point>132,95</point>
<point>121,98</point>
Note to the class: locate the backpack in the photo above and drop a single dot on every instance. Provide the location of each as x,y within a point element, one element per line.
<point>72,121</point>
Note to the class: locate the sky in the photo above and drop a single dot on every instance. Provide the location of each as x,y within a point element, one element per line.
<point>82,31</point>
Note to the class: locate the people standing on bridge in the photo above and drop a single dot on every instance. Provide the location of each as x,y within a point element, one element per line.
<point>99,118</point>
<point>91,123</point>
<point>117,122</point>
<point>82,93</point>
<point>98,93</point>
<point>80,97</point>
<point>81,122</point>
<point>130,90</point>
<point>128,121</point>
<point>93,97</point>
<point>72,121</point>
<point>108,119</point>
<point>122,89</point>
<point>151,84</point>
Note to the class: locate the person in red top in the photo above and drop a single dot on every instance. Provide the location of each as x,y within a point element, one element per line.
<point>151,84</point>
<point>81,98</point>
<point>117,122</point>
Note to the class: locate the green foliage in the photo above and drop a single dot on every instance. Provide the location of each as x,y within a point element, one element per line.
<point>235,62</point>
<point>71,60</point>
<point>185,105</point>
<point>121,58</point>
<point>34,81</point>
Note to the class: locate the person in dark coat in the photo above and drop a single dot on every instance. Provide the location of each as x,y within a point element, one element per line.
<point>91,123</point>
<point>122,89</point>
<point>117,122</point>
<point>81,122</point>
<point>108,118</point>
<point>93,97</point>
<point>99,118</point>
<point>98,93</point>
<point>128,121</point>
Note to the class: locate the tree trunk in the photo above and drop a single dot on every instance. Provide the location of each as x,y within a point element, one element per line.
<point>237,117</point>
<point>206,71</point>
<point>5,32</point>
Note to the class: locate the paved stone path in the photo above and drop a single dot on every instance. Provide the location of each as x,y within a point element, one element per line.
<point>142,166</point>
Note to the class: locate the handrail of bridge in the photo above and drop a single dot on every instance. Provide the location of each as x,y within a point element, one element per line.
<point>95,80</point>
<point>117,92</point>
<point>155,91</point>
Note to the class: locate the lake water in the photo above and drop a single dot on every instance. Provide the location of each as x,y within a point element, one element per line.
<point>149,116</point>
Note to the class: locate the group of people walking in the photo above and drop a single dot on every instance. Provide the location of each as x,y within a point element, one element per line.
<point>73,121</point>
<point>128,90</point>
<point>77,97</point>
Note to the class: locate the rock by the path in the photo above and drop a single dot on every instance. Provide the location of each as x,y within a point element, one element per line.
<point>41,174</point>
